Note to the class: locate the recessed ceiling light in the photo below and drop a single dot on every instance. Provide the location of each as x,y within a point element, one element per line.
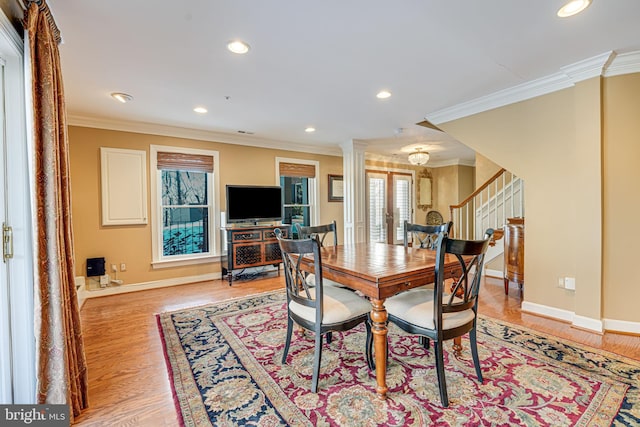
<point>573,7</point>
<point>238,46</point>
<point>122,97</point>
<point>310,129</point>
<point>383,94</point>
<point>200,110</point>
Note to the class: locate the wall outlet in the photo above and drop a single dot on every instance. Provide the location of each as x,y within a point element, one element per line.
<point>114,268</point>
<point>123,267</point>
<point>570,283</point>
<point>561,282</point>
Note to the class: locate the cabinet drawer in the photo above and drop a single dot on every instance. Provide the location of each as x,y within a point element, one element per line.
<point>246,236</point>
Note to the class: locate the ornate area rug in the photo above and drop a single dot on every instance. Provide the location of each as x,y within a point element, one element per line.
<point>224,367</point>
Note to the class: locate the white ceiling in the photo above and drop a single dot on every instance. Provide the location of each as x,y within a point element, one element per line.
<point>320,63</point>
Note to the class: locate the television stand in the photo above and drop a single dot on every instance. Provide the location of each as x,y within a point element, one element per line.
<point>252,246</point>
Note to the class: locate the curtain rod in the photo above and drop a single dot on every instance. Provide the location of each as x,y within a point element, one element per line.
<point>44,8</point>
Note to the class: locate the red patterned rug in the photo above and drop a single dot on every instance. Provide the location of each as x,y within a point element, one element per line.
<point>224,367</point>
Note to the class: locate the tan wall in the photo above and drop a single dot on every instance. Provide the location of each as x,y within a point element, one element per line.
<point>485,169</point>
<point>451,185</point>
<point>621,154</point>
<point>132,244</point>
<point>535,140</point>
<point>576,150</point>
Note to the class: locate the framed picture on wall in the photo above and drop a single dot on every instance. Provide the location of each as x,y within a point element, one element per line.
<point>336,188</point>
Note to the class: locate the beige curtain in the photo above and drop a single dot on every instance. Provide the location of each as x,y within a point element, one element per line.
<point>61,365</point>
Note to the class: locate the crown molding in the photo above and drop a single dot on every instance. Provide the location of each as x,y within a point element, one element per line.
<point>532,89</point>
<point>198,134</point>
<point>624,63</point>
<point>588,68</point>
<point>606,64</point>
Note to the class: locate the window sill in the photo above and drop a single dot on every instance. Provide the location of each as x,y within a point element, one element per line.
<point>184,262</point>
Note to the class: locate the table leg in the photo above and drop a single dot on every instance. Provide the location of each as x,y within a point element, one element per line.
<point>457,341</point>
<point>379,330</point>
<point>457,346</point>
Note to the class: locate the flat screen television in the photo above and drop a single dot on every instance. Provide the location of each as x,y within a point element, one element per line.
<point>253,203</point>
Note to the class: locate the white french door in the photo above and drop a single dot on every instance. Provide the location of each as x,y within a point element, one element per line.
<point>6,390</point>
<point>389,204</point>
<point>17,342</point>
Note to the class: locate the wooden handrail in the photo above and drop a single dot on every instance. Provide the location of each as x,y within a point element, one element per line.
<point>478,190</point>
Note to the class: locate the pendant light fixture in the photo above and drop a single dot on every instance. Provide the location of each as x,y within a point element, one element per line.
<point>419,157</point>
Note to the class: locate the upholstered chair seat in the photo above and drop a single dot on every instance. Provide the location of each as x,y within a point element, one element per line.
<point>338,305</point>
<point>416,307</point>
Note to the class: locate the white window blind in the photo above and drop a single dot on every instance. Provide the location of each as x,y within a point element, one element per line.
<point>401,204</point>
<point>377,184</point>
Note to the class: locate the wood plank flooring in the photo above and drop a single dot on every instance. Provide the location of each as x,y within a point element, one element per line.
<point>128,383</point>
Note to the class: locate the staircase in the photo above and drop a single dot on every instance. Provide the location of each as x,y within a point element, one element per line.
<point>501,197</point>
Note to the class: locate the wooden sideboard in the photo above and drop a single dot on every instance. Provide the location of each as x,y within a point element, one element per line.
<point>251,246</point>
<point>513,253</point>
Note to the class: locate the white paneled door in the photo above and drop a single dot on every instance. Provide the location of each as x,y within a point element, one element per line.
<point>6,393</point>
<point>389,205</point>
<point>17,342</point>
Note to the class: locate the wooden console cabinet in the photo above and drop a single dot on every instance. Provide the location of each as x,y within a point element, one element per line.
<point>252,246</point>
<point>513,253</point>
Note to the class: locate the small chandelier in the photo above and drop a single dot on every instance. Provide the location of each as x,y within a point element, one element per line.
<point>419,158</point>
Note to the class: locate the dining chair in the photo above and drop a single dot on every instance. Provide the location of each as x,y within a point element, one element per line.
<point>318,308</point>
<point>444,313</point>
<point>424,235</point>
<point>322,231</point>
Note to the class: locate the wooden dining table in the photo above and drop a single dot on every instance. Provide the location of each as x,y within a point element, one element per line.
<point>380,271</point>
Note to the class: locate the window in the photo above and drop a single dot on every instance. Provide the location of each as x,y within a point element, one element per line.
<point>299,189</point>
<point>296,200</point>
<point>185,208</point>
<point>185,212</point>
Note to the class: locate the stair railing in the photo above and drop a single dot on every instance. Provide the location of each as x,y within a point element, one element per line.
<point>489,206</point>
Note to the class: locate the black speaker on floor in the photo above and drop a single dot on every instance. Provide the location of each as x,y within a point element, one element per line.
<point>95,266</point>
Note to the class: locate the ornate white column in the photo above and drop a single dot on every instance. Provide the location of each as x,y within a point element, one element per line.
<point>355,220</point>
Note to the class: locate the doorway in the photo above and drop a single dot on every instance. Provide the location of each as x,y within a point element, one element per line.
<point>390,202</point>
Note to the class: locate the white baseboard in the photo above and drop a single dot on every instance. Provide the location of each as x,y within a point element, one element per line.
<point>622,326</point>
<point>81,290</point>
<point>155,284</point>
<point>588,323</point>
<point>582,322</point>
<point>499,274</point>
<point>544,310</point>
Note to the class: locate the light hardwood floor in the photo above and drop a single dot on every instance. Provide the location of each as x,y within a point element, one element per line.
<point>128,383</point>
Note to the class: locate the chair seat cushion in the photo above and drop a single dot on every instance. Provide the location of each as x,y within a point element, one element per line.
<point>416,306</point>
<point>311,281</point>
<point>338,305</point>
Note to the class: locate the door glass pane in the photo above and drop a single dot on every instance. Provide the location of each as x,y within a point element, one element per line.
<point>376,185</point>
<point>401,205</point>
